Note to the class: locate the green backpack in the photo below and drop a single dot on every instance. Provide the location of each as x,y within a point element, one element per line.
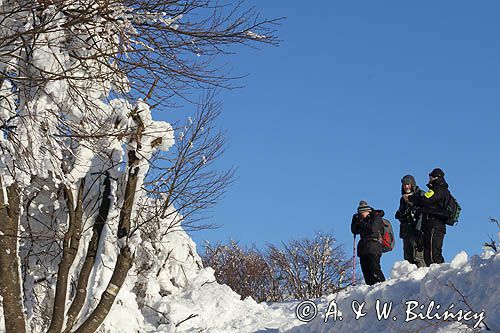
<point>453,210</point>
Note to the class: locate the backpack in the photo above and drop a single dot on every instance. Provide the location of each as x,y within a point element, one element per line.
<point>387,239</point>
<point>453,210</point>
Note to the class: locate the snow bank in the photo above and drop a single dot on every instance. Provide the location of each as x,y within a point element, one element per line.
<point>178,295</point>
<point>418,300</point>
<point>168,290</point>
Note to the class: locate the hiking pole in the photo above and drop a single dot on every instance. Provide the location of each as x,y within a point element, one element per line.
<point>354,262</point>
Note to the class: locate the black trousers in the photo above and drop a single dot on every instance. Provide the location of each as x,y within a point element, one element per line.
<point>433,246</point>
<point>372,272</point>
<point>413,250</point>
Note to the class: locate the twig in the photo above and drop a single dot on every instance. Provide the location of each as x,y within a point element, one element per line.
<point>191,316</point>
<point>207,282</point>
<point>464,300</point>
<point>151,308</point>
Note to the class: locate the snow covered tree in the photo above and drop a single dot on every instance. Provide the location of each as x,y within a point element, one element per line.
<point>92,185</point>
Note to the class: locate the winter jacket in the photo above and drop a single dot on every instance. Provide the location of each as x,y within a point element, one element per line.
<point>433,204</point>
<point>371,229</point>
<point>409,216</point>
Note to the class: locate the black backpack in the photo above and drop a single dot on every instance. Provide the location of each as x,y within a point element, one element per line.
<point>453,210</point>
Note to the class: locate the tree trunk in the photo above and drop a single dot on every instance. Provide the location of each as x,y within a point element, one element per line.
<point>83,278</point>
<point>96,318</point>
<point>10,282</point>
<point>70,249</point>
<point>125,258</point>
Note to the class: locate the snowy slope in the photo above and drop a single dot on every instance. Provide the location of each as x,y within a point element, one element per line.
<point>218,309</point>
<point>475,278</point>
<point>175,294</point>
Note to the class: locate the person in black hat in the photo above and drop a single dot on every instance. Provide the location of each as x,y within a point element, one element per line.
<point>370,227</point>
<point>410,228</point>
<point>433,205</point>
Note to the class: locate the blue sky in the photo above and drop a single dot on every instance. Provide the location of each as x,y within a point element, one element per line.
<point>358,94</point>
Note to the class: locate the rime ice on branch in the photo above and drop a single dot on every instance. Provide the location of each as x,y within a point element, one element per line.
<point>92,185</point>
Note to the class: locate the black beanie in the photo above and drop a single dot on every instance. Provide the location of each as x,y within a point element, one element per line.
<point>437,172</point>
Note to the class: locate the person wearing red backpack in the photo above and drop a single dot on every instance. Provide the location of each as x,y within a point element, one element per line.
<point>370,227</point>
<point>433,206</point>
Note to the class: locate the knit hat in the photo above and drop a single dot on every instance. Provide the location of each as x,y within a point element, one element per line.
<point>437,172</point>
<point>363,207</point>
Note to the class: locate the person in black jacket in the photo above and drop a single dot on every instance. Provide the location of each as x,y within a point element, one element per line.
<point>410,228</point>
<point>370,226</point>
<point>433,205</point>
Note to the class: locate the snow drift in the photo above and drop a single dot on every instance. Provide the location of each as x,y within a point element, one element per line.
<point>184,297</point>
<point>174,293</point>
<point>195,302</point>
